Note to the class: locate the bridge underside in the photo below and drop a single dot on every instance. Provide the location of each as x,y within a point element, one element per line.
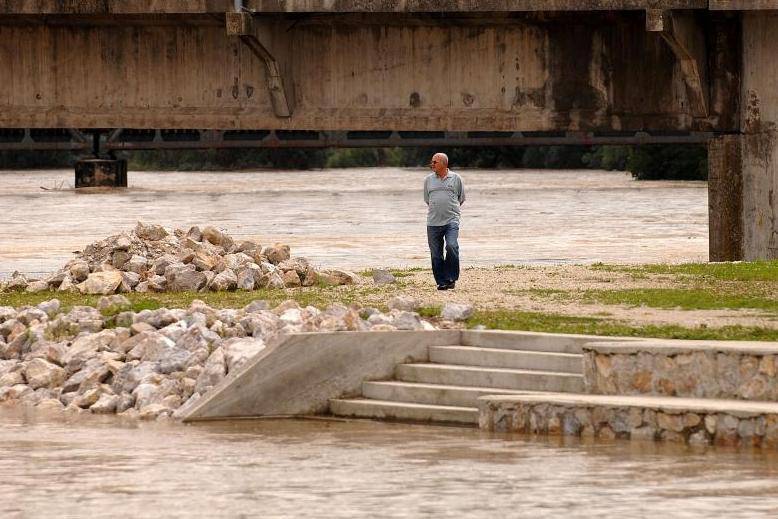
<point>599,71</point>
<point>193,73</point>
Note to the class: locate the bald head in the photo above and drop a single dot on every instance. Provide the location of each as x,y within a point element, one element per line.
<point>440,164</point>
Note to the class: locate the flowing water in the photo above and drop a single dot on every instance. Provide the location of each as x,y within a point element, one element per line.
<point>91,467</point>
<point>102,467</point>
<point>361,218</point>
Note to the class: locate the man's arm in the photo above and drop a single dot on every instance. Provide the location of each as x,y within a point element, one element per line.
<point>461,191</point>
<point>426,192</point>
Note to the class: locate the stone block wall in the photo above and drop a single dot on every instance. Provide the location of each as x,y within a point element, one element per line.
<point>690,426</point>
<point>692,369</point>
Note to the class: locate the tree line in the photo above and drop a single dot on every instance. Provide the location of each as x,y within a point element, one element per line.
<point>649,162</point>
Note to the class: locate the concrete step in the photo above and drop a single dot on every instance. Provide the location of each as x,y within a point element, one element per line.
<point>383,410</point>
<point>453,375</point>
<point>503,358</point>
<point>526,341</point>
<point>435,394</point>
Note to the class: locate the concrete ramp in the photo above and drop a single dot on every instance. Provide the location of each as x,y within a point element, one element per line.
<point>300,375</point>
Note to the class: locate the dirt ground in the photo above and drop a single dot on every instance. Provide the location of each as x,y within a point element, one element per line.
<point>532,289</point>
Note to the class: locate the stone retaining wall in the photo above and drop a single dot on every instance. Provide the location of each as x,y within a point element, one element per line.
<point>700,369</point>
<point>638,423</point>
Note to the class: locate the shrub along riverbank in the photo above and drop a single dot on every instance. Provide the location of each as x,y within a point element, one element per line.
<point>645,162</point>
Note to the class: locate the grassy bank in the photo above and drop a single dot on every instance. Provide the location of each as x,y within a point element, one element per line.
<point>598,299</point>
<point>554,323</point>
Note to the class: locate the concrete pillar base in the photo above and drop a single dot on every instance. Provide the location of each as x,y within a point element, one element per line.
<point>101,173</point>
<point>725,198</point>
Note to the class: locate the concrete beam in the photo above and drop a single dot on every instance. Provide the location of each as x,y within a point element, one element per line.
<point>399,6</point>
<point>241,24</point>
<point>339,6</point>
<point>114,6</point>
<point>743,5</point>
<point>400,72</point>
<point>686,39</point>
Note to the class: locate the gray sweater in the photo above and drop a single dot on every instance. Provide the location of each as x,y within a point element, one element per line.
<point>444,198</point>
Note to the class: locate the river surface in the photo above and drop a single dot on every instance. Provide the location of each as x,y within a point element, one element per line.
<point>98,467</point>
<point>361,218</point>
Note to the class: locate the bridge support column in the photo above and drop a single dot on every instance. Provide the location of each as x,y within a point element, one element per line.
<point>101,173</point>
<point>725,198</point>
<point>759,142</point>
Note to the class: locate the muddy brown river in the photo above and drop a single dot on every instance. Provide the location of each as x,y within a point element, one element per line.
<point>102,467</point>
<point>94,468</point>
<point>361,218</point>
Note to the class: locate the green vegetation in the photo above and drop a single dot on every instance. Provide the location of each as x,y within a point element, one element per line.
<point>645,162</point>
<point>553,323</point>
<point>320,297</point>
<point>685,298</point>
<point>668,162</point>
<point>430,312</point>
<point>744,271</point>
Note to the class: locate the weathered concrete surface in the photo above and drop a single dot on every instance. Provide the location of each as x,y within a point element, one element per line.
<point>699,369</point>
<point>457,72</point>
<point>743,167</point>
<point>760,146</point>
<point>535,341</point>
<point>466,5</point>
<point>114,6</point>
<point>725,198</point>
<point>335,6</point>
<point>302,374</point>
<point>694,421</point>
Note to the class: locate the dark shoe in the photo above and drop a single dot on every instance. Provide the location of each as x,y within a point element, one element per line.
<point>443,287</point>
<point>450,286</point>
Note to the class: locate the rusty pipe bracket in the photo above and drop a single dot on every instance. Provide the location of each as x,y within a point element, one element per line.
<point>241,25</point>
<point>662,22</point>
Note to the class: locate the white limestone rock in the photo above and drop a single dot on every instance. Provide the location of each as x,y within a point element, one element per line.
<point>101,283</point>
<point>50,308</point>
<point>404,303</point>
<point>214,371</point>
<point>239,351</point>
<point>225,280</point>
<point>383,277</point>
<point>457,311</point>
<point>150,232</point>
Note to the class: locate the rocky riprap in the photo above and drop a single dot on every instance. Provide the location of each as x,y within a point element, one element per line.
<point>152,259</point>
<point>148,364</point>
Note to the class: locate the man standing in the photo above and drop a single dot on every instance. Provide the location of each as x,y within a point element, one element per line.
<point>444,194</point>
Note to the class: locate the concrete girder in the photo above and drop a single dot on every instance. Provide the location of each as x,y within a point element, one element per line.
<point>682,34</point>
<point>241,24</point>
<point>343,6</point>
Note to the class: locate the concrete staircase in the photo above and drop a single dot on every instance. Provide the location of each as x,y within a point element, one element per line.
<point>446,388</point>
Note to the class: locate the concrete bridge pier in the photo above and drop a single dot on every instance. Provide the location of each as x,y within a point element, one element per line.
<point>97,171</point>
<point>744,166</point>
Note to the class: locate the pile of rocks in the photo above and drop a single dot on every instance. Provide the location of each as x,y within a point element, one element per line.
<point>151,259</point>
<point>147,364</point>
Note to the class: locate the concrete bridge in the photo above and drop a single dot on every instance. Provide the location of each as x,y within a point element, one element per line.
<point>223,73</point>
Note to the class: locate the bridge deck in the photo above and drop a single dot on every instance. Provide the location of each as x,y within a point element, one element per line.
<point>375,6</point>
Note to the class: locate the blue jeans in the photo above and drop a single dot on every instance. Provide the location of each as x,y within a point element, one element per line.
<point>445,269</point>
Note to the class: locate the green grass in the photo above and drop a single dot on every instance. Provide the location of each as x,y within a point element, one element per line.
<point>320,297</point>
<point>685,298</point>
<point>745,271</point>
<point>429,311</point>
<point>553,323</point>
